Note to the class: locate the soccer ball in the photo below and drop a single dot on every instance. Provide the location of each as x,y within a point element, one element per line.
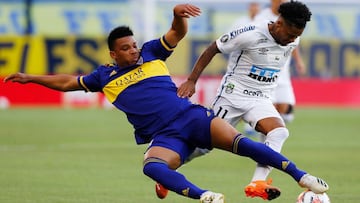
<point>310,197</point>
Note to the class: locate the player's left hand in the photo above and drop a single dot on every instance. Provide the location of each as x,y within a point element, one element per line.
<point>300,68</point>
<point>17,77</point>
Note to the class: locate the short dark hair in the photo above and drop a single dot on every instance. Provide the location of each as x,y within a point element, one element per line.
<point>295,13</point>
<point>116,33</point>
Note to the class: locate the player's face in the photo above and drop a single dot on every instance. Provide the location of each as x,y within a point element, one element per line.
<point>284,33</point>
<point>126,51</point>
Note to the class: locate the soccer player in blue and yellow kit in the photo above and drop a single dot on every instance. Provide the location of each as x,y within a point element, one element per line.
<point>139,84</point>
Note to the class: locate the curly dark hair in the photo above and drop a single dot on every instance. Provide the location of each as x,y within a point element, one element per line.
<point>295,13</point>
<point>118,32</point>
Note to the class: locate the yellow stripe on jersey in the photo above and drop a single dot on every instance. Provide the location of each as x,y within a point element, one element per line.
<point>144,71</point>
<point>165,44</point>
<point>83,84</point>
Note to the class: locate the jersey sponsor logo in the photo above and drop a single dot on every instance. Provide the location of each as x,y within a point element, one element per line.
<point>130,77</point>
<point>267,75</point>
<point>234,33</point>
<point>147,70</point>
<point>255,93</point>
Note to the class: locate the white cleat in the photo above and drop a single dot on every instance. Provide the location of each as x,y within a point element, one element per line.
<point>317,185</point>
<point>212,197</point>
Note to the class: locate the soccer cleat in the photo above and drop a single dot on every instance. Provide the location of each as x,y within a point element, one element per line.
<point>161,191</point>
<point>212,197</point>
<point>263,189</point>
<point>317,185</point>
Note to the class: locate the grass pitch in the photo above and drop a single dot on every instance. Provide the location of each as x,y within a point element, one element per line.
<point>90,156</point>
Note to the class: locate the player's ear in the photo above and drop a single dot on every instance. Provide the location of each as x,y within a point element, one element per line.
<point>279,22</point>
<point>112,54</point>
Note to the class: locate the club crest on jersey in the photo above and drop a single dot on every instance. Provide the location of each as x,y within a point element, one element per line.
<point>229,88</point>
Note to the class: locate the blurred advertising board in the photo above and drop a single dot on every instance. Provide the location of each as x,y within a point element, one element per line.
<point>309,92</point>
<point>330,19</point>
<point>79,55</point>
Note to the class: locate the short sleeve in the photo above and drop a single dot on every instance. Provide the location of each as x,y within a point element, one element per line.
<point>236,39</point>
<point>91,82</point>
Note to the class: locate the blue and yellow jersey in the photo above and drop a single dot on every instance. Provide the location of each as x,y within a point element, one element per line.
<point>145,91</point>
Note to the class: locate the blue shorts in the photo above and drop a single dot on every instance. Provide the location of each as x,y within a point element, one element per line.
<point>188,131</point>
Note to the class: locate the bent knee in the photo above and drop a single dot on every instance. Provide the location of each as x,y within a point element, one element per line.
<point>152,164</point>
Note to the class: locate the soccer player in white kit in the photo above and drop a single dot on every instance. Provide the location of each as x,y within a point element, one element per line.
<point>283,95</point>
<point>259,51</point>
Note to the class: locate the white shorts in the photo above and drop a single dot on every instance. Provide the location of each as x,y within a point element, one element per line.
<point>250,110</point>
<point>283,94</point>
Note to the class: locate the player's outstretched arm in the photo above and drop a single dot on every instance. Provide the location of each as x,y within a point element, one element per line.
<point>179,25</point>
<point>59,82</point>
<point>187,89</point>
<point>299,63</point>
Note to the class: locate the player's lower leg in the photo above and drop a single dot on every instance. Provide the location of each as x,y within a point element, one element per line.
<point>275,140</point>
<point>160,190</point>
<point>267,156</point>
<point>288,115</point>
<point>159,171</point>
<point>259,186</point>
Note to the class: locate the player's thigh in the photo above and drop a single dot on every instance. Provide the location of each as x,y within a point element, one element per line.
<point>263,116</point>
<point>222,134</point>
<point>170,146</point>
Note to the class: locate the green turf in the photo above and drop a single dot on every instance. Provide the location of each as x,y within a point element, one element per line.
<point>89,155</point>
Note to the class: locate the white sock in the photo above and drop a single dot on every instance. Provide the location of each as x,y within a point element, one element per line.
<point>275,140</point>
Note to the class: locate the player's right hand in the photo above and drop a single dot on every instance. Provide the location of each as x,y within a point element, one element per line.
<point>186,89</point>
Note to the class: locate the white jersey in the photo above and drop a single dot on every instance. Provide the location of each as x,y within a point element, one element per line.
<point>255,62</point>
<point>267,15</point>
<point>284,92</point>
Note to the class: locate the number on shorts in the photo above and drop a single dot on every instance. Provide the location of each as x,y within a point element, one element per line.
<point>223,112</point>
